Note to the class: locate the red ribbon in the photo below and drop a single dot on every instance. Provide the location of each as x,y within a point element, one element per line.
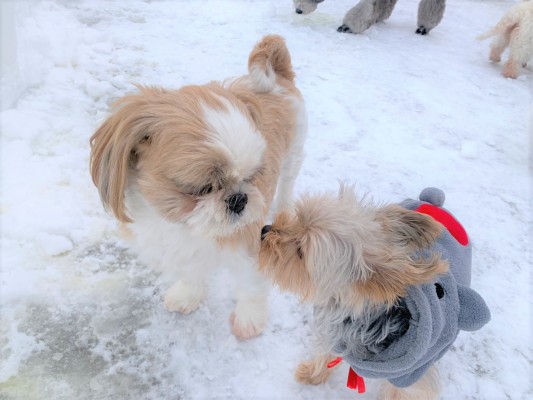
<point>334,362</point>
<point>354,381</point>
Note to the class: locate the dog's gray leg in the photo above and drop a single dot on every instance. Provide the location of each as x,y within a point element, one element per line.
<point>365,14</point>
<point>305,6</point>
<point>430,14</point>
<point>384,9</point>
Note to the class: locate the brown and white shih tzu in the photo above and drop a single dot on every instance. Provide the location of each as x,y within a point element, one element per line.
<point>193,173</point>
<point>353,261</point>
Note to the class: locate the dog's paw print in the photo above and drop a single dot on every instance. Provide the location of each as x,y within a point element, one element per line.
<point>344,29</point>
<point>422,30</point>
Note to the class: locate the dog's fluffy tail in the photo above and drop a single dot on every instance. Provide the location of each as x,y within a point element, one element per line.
<point>269,60</point>
<point>488,34</point>
<point>506,24</point>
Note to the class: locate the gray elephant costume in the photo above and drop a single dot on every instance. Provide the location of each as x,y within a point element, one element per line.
<point>439,310</point>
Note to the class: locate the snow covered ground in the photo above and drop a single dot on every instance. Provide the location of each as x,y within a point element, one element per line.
<point>390,111</point>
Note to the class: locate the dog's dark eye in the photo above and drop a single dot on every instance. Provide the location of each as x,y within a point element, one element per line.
<point>205,190</point>
<point>440,290</point>
<point>146,138</point>
<point>299,252</point>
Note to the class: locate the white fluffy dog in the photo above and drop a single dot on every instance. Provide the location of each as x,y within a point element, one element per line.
<point>369,12</point>
<point>514,30</point>
<point>194,172</point>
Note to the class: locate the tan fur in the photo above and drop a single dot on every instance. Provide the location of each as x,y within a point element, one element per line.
<point>154,135</point>
<point>426,388</point>
<point>314,371</point>
<point>408,228</point>
<point>272,50</point>
<point>279,250</point>
<point>381,244</point>
<point>125,232</point>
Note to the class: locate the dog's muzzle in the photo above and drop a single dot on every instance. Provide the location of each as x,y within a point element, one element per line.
<point>298,11</point>
<point>265,230</point>
<point>236,202</point>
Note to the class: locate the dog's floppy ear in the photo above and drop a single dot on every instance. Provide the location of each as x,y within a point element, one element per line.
<point>115,148</point>
<point>400,260</point>
<point>409,228</point>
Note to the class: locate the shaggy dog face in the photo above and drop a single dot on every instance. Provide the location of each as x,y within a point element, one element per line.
<point>193,172</point>
<point>338,247</point>
<point>194,154</point>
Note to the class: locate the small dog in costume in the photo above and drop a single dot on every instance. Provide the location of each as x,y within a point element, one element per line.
<point>514,30</point>
<point>390,286</point>
<point>368,12</point>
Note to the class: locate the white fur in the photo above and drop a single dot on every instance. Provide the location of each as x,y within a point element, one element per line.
<point>291,165</point>
<point>515,31</point>
<point>305,6</point>
<point>194,171</point>
<point>426,388</point>
<point>235,133</point>
<point>187,252</point>
<point>187,258</point>
<point>211,218</point>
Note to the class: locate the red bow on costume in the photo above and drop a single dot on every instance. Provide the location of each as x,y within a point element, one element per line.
<point>354,381</point>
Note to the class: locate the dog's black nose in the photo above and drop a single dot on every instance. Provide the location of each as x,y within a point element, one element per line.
<point>298,11</point>
<point>265,230</point>
<point>236,202</point>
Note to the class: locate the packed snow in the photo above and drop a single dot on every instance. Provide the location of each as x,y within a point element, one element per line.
<point>390,111</point>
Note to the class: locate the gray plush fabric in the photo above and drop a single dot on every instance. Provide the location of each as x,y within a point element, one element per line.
<point>435,321</point>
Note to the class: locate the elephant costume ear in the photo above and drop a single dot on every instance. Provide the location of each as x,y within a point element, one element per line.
<point>473,312</point>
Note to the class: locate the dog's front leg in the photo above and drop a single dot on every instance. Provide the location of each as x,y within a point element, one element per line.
<point>366,13</point>
<point>314,371</point>
<point>189,289</point>
<point>426,388</point>
<point>430,13</point>
<point>251,310</point>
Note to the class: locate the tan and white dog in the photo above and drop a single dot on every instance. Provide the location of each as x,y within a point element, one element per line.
<point>514,30</point>
<point>193,173</point>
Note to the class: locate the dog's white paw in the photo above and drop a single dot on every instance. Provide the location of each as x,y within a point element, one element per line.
<point>184,298</point>
<point>245,329</point>
<point>248,319</point>
<point>510,71</point>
